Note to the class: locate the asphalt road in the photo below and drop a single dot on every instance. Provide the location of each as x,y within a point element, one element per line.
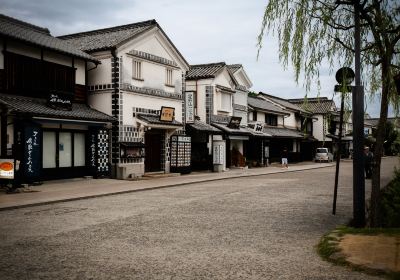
<point>263,227</point>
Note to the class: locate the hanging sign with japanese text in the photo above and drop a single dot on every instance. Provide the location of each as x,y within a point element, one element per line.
<point>189,100</point>
<point>32,151</point>
<point>60,100</point>
<point>167,114</point>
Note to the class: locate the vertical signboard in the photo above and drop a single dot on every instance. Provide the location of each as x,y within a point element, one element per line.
<point>32,152</point>
<point>91,150</point>
<point>189,101</point>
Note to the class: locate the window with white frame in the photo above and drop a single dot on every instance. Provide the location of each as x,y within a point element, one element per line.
<point>226,101</point>
<point>137,70</point>
<point>168,77</point>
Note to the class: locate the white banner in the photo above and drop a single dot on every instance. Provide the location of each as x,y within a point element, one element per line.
<point>189,95</point>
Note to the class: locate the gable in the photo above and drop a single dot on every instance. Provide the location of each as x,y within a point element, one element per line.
<point>155,43</point>
<point>224,78</point>
<point>242,78</point>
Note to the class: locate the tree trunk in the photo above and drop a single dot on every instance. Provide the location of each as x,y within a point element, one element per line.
<point>374,214</point>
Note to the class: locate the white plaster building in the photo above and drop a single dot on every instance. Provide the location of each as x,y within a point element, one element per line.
<point>140,82</point>
<point>324,115</point>
<point>220,92</point>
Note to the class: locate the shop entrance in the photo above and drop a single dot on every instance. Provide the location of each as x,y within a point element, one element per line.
<point>64,154</point>
<point>153,142</point>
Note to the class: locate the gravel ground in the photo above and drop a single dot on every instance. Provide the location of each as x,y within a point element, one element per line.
<point>263,227</point>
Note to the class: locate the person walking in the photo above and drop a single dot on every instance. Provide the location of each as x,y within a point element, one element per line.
<point>284,157</point>
<point>368,158</point>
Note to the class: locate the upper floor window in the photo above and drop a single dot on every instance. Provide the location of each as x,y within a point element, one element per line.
<point>226,101</point>
<point>254,115</point>
<point>168,77</point>
<point>33,77</point>
<point>271,119</point>
<point>137,70</point>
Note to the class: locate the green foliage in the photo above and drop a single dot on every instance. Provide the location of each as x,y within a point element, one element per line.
<point>252,94</point>
<point>390,203</point>
<point>318,36</point>
<point>392,138</point>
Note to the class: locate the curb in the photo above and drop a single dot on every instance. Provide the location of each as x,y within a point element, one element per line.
<point>150,188</point>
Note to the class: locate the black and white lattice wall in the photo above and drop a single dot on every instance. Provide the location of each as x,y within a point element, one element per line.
<point>102,151</point>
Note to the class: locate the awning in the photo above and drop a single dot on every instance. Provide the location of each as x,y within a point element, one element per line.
<point>282,132</point>
<point>257,134</point>
<point>199,126</point>
<point>154,121</point>
<point>132,144</point>
<point>37,107</point>
<point>241,131</point>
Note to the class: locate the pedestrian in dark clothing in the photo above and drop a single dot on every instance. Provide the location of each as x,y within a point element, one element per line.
<point>284,157</point>
<point>368,158</point>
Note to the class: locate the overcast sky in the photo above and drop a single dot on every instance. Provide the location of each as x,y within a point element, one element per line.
<point>204,31</point>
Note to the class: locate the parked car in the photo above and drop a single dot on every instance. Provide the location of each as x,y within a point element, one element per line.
<point>323,154</point>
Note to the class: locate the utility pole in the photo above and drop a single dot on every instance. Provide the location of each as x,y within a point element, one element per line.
<point>358,129</point>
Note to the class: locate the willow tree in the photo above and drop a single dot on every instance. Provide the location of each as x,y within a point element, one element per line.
<point>314,34</point>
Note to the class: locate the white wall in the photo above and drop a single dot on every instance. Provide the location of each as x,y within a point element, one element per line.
<point>240,98</point>
<point>280,121</point>
<point>101,102</point>
<point>153,75</point>
<point>318,128</point>
<point>148,102</point>
<point>290,121</point>
<point>80,71</point>
<point>201,95</point>
<point>101,74</point>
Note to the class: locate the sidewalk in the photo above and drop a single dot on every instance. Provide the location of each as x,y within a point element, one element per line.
<point>80,188</point>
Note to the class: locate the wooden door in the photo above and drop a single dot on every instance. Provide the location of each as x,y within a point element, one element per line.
<point>153,142</point>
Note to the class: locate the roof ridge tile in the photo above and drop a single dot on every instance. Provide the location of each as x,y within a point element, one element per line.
<point>109,29</point>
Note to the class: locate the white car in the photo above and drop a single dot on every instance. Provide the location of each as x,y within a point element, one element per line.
<point>323,154</point>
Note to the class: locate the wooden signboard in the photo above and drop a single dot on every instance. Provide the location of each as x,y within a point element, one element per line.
<point>167,114</point>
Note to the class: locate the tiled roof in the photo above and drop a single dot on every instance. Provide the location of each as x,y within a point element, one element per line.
<point>374,121</point>
<point>234,67</point>
<point>37,107</point>
<point>155,119</point>
<point>320,105</point>
<point>283,132</point>
<point>32,34</point>
<point>261,104</point>
<point>262,134</point>
<point>204,71</point>
<point>107,38</point>
<point>283,102</point>
<point>232,131</point>
<point>203,127</point>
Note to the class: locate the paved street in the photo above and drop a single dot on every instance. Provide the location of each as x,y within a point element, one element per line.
<point>263,227</point>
